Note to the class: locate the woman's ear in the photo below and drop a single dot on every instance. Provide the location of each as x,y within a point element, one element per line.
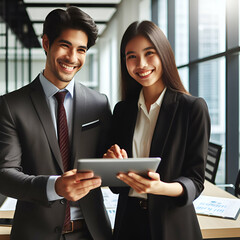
<point>45,43</point>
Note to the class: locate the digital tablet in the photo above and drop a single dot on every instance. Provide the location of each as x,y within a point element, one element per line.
<point>108,168</point>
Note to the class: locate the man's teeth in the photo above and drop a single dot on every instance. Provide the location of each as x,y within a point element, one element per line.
<point>144,74</point>
<point>67,67</point>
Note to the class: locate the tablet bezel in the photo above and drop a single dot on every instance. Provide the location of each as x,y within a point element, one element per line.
<point>107,168</point>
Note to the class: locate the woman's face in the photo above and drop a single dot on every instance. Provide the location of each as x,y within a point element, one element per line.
<point>142,62</point>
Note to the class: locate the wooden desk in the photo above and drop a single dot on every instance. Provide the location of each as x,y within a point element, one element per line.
<point>213,227</point>
<point>5,231</point>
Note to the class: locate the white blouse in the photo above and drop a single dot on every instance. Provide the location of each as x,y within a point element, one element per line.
<point>144,129</point>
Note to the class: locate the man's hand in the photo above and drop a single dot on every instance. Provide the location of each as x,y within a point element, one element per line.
<point>74,186</point>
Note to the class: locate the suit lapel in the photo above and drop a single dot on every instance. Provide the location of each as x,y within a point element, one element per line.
<point>164,123</point>
<point>42,109</point>
<point>78,119</point>
<point>130,119</point>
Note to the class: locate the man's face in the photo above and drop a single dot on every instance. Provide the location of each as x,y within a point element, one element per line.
<point>65,57</point>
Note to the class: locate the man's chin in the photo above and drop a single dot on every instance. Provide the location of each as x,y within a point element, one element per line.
<point>66,79</point>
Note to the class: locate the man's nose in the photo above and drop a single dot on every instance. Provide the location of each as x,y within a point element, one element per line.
<point>72,56</point>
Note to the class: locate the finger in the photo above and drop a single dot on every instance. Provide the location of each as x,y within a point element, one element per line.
<point>69,173</point>
<point>139,178</point>
<point>105,155</point>
<point>132,184</point>
<point>95,183</point>
<point>86,183</point>
<point>130,181</point>
<point>117,150</point>
<point>73,175</point>
<point>109,154</point>
<point>124,153</point>
<point>83,175</point>
<point>154,176</point>
<point>81,188</point>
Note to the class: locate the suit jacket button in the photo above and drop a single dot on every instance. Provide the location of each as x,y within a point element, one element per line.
<point>58,229</point>
<point>63,201</point>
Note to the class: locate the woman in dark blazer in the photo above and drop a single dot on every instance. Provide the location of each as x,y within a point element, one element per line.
<point>157,118</point>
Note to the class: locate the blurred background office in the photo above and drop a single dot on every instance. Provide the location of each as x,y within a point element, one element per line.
<point>204,35</point>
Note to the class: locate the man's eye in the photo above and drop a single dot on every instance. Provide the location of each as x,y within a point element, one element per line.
<point>64,45</point>
<point>82,50</point>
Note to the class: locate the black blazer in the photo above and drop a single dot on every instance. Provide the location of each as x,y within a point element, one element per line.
<point>29,154</point>
<point>181,139</point>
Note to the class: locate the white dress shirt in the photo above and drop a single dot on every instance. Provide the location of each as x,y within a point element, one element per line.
<point>144,129</point>
<point>49,90</point>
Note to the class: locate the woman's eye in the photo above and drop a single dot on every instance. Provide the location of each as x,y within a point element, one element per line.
<point>149,53</point>
<point>131,56</point>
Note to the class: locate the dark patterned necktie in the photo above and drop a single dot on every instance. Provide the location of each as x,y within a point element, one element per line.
<point>63,140</point>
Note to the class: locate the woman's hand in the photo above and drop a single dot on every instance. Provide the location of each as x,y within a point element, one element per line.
<point>115,152</point>
<point>153,185</point>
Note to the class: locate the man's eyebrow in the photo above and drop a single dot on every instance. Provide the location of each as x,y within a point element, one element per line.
<point>69,43</point>
<point>65,41</point>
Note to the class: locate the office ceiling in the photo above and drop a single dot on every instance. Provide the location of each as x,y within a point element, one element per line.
<point>26,17</point>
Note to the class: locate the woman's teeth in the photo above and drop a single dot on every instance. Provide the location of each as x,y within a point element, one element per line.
<point>144,74</point>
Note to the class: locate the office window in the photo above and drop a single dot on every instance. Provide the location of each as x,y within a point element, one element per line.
<point>18,65</point>
<point>212,88</point>
<point>206,34</point>
<point>144,10</point>
<point>25,66</point>
<point>181,32</point>
<point>211,27</point>
<point>2,56</point>
<point>184,75</point>
<point>11,62</point>
<point>89,74</point>
<point>162,21</point>
<point>2,70</point>
<point>239,108</point>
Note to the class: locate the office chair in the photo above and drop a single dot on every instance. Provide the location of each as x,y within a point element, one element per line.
<point>235,187</point>
<point>213,157</point>
<point>2,199</point>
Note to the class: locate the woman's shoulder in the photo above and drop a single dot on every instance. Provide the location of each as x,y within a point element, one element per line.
<point>194,106</point>
<point>123,106</point>
<point>190,100</point>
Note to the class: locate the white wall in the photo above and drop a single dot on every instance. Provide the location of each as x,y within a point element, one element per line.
<point>108,45</point>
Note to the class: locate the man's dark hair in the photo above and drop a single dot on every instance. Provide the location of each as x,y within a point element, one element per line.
<point>59,20</point>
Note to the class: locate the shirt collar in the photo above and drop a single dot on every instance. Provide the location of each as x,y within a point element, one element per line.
<point>141,100</point>
<point>50,89</point>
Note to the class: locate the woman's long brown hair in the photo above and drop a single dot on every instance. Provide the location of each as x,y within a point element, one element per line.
<point>130,87</point>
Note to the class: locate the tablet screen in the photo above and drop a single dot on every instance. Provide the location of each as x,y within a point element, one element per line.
<point>108,168</point>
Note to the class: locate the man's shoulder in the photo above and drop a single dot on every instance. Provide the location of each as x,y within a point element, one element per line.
<point>23,89</point>
<point>89,93</point>
<point>20,95</point>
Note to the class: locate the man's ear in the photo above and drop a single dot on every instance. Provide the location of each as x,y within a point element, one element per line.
<point>45,43</point>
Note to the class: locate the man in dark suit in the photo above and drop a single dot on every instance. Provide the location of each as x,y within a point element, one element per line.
<point>31,167</point>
